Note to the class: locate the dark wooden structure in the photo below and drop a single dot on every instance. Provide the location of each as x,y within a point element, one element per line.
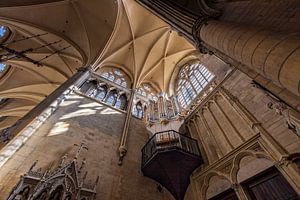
<point>270,185</point>
<point>169,158</point>
<point>226,195</point>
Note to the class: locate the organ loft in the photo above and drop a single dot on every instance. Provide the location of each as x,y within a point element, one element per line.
<point>150,100</point>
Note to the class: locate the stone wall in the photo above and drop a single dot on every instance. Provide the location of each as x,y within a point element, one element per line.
<point>77,120</point>
<point>256,102</point>
<point>270,14</point>
<point>239,137</point>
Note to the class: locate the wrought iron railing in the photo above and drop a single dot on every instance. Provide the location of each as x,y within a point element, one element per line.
<point>166,141</point>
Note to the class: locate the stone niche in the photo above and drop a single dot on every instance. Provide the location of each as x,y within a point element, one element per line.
<point>79,119</point>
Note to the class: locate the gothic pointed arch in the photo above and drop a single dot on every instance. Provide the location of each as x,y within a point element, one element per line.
<point>138,110</point>
<point>193,78</point>
<point>116,75</point>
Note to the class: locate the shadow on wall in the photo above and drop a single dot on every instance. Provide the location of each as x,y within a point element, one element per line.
<point>83,115</point>
<point>79,119</point>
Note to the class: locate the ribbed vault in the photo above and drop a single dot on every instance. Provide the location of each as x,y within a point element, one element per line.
<point>101,33</point>
<point>144,46</point>
<point>84,26</point>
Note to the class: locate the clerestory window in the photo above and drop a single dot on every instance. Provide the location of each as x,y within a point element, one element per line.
<point>192,79</point>
<point>146,90</point>
<point>3,67</point>
<point>115,75</point>
<point>138,110</point>
<point>3,31</point>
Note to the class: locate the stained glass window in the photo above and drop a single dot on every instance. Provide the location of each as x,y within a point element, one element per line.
<point>146,90</point>
<point>2,67</point>
<point>101,93</point>
<point>193,78</point>
<point>138,110</point>
<point>112,98</point>
<point>3,31</point>
<point>118,103</point>
<point>115,75</point>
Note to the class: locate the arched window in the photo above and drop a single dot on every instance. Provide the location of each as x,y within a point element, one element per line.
<point>105,90</point>
<point>91,87</point>
<point>121,102</point>
<point>146,90</point>
<point>3,67</point>
<point>3,31</point>
<point>101,92</point>
<point>115,75</point>
<point>118,103</point>
<point>124,102</point>
<point>138,110</point>
<point>112,97</point>
<point>192,79</point>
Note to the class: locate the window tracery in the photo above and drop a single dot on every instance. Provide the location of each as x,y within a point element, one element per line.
<point>3,31</point>
<point>118,103</point>
<point>193,78</point>
<point>144,95</point>
<point>101,92</point>
<point>112,98</point>
<point>147,91</point>
<point>3,67</point>
<point>115,75</point>
<point>121,102</point>
<point>108,87</point>
<point>138,110</point>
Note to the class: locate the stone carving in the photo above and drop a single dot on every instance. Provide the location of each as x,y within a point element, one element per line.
<point>226,169</point>
<point>256,148</point>
<point>291,116</point>
<point>66,182</point>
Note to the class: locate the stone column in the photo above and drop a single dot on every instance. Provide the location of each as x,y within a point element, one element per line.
<point>176,104</point>
<point>286,166</point>
<point>240,192</point>
<point>201,142</point>
<point>146,112</point>
<point>273,55</point>
<point>106,95</point>
<point>123,143</point>
<point>227,143</point>
<point>212,138</point>
<point>215,101</point>
<point>151,110</point>
<point>161,106</point>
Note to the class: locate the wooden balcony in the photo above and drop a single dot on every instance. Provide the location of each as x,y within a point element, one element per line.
<point>170,158</point>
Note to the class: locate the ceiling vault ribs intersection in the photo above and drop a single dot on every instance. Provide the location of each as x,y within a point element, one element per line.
<point>101,33</point>
<point>145,46</point>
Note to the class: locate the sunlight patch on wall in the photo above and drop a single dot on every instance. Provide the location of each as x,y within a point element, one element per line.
<point>108,111</point>
<point>78,113</point>
<point>68,103</point>
<point>90,105</point>
<point>11,148</point>
<point>75,97</point>
<point>59,128</point>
